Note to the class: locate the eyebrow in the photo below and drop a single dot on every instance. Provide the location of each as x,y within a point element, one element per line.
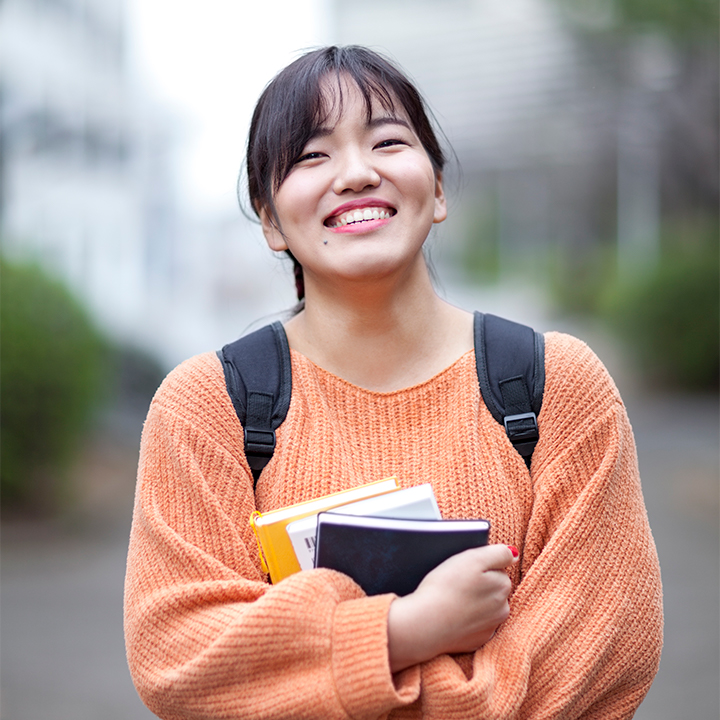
<point>373,123</point>
<point>388,120</point>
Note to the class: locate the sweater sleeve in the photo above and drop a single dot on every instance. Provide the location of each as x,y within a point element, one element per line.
<point>206,636</point>
<point>584,635</point>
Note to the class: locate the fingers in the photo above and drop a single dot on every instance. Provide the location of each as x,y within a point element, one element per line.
<point>468,567</point>
<point>491,557</point>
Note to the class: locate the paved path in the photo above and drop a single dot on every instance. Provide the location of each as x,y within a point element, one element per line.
<point>62,645</point>
<point>62,640</point>
<point>677,442</point>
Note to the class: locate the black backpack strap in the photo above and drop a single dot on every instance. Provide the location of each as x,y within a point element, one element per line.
<point>259,381</point>
<point>510,361</point>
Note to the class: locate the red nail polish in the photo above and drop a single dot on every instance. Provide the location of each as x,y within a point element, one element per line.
<point>514,551</point>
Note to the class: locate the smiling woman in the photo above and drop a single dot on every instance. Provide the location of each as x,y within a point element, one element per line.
<point>560,616</point>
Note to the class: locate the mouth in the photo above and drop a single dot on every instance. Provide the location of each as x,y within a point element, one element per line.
<point>359,215</point>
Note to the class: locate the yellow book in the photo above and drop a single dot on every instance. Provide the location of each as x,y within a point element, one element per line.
<point>276,551</point>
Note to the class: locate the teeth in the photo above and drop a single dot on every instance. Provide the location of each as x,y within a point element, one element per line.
<point>359,215</point>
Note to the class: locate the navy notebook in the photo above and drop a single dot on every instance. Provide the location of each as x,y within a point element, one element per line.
<point>385,555</point>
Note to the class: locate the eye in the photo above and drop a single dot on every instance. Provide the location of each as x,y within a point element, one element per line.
<point>390,142</point>
<point>309,156</point>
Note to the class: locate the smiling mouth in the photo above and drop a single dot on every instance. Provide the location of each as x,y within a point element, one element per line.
<point>360,215</point>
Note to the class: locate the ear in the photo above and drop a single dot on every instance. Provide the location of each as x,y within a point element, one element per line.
<point>273,237</point>
<point>440,203</point>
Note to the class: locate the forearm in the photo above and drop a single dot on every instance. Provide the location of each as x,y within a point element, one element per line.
<point>585,628</point>
<point>311,645</point>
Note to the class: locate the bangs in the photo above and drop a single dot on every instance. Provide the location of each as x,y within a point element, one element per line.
<point>328,100</point>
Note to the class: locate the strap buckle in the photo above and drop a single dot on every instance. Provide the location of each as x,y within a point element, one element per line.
<point>523,432</point>
<point>259,443</point>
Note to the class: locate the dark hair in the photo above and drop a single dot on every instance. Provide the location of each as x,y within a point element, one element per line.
<point>294,105</point>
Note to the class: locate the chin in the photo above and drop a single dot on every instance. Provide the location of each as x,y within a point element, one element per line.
<point>375,269</point>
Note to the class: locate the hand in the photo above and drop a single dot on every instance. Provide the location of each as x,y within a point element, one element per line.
<point>456,608</point>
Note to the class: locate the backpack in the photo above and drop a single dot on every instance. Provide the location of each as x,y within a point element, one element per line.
<point>510,362</point>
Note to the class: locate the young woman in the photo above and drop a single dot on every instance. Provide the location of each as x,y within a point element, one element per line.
<point>345,173</point>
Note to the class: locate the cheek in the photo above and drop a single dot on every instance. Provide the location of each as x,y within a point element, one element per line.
<point>417,181</point>
<point>295,200</point>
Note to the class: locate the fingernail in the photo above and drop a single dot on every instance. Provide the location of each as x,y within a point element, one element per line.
<point>514,551</point>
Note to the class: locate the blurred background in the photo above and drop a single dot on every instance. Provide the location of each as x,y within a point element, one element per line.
<point>584,198</point>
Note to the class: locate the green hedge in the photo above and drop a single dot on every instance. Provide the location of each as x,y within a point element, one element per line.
<point>51,371</point>
<point>670,318</point>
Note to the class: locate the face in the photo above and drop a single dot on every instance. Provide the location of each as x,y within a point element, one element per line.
<point>362,197</point>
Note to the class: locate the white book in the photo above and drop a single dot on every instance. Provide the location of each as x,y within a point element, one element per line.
<point>415,503</point>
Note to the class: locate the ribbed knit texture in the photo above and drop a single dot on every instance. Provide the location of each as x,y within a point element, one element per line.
<point>207,637</point>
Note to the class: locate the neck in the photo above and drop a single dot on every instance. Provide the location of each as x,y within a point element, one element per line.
<point>384,335</point>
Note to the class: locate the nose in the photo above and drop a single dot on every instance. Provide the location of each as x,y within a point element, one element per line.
<point>355,172</point>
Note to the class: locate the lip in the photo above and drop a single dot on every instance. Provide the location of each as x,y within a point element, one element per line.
<point>357,203</point>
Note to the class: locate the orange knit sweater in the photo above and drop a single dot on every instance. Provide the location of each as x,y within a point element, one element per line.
<point>208,637</point>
